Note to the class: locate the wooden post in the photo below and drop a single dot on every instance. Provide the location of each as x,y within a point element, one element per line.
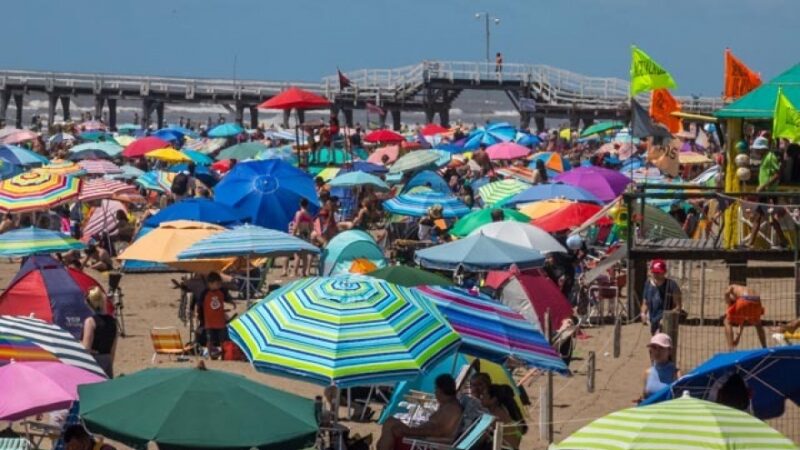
<point>702,293</point>
<point>590,363</point>
<point>548,394</point>
<point>670,325</point>
<point>796,270</point>
<point>617,336</point>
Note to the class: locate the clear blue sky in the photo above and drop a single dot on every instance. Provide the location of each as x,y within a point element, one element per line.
<point>306,39</point>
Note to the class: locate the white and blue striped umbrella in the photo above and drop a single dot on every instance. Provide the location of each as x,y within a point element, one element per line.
<point>416,202</point>
<point>247,240</point>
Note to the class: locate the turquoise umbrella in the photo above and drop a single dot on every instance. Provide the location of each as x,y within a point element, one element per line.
<point>358,178</point>
<point>110,148</point>
<point>198,158</point>
<point>245,150</point>
<point>478,252</point>
<point>226,130</point>
<point>32,240</point>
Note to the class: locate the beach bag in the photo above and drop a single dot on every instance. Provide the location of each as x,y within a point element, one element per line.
<point>232,352</point>
<point>180,184</point>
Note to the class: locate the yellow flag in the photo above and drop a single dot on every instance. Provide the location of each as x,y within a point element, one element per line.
<point>786,120</point>
<point>647,74</point>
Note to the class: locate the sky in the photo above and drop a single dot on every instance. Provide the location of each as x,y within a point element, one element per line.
<point>304,40</point>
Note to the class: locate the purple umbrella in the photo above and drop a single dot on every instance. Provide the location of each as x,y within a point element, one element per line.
<point>605,184</point>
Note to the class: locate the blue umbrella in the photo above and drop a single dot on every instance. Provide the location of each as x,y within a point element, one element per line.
<point>183,131</point>
<point>129,127</point>
<point>770,374</point>
<point>527,139</point>
<point>368,167</point>
<point>21,156</point>
<point>169,135</point>
<point>110,148</point>
<point>202,173</point>
<point>267,192</point>
<point>492,134</point>
<point>284,153</point>
<point>8,170</point>
<point>226,130</point>
<point>198,158</point>
<point>549,191</point>
<point>429,179</point>
<point>415,203</point>
<point>247,240</point>
<point>480,253</point>
<point>197,209</point>
<point>451,148</point>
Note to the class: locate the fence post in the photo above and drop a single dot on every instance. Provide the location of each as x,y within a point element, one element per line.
<point>796,270</point>
<point>617,335</point>
<point>590,372</point>
<point>548,394</point>
<point>670,323</point>
<point>702,293</point>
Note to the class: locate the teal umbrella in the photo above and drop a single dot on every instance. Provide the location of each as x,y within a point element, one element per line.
<point>358,178</point>
<point>108,147</point>
<point>245,150</point>
<point>601,127</point>
<point>198,158</point>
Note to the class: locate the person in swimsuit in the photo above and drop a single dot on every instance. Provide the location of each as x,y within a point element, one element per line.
<point>744,307</point>
<point>303,227</point>
<point>663,371</point>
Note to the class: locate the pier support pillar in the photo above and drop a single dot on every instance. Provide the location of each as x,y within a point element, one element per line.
<point>18,102</point>
<point>587,122</point>
<point>348,117</point>
<point>99,102</point>
<point>5,98</point>
<point>147,110</point>
<point>112,114</point>
<point>253,117</point>
<point>287,113</point>
<point>444,116</point>
<point>160,115</point>
<point>381,121</point>
<point>396,123</point>
<point>539,124</point>
<point>524,120</point>
<point>52,102</point>
<point>65,107</point>
<point>574,122</point>
<point>239,114</point>
<point>429,114</point>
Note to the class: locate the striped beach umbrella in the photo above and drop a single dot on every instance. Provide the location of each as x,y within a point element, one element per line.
<point>347,330</point>
<point>683,423</point>
<point>156,180</point>
<point>248,240</point>
<point>32,240</point>
<point>415,160</point>
<point>61,167</point>
<point>32,191</point>
<point>494,192</point>
<point>102,218</point>
<point>101,188</point>
<point>99,167</point>
<point>416,202</point>
<point>29,339</point>
<point>492,330</point>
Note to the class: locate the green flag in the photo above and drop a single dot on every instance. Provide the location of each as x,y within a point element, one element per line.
<point>646,74</point>
<point>786,120</point>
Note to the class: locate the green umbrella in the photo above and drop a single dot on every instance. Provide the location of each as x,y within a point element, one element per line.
<point>356,179</point>
<point>601,127</point>
<point>476,219</point>
<point>197,409</point>
<point>410,276</point>
<point>245,150</point>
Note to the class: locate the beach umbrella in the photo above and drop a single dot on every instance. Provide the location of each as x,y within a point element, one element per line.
<point>198,158</point>
<point>96,136</point>
<point>356,179</point>
<point>385,136</point>
<point>427,179</point>
<point>433,129</point>
<point>102,218</point>
<point>763,370</point>
<point>32,388</point>
<point>415,203</point>
<point>110,148</point>
<point>477,252</point>
<point>481,217</point>
<point>169,135</point>
<point>16,136</point>
<point>205,146</point>
<point>99,167</point>
<point>88,155</point>
<point>163,244</point>
<point>285,153</point>
<point>225,130</point>
<point>296,98</point>
<point>551,191</point>
<point>523,235</point>
<point>8,170</point>
<point>601,127</point>
<point>142,146</point>
<point>569,217</point>
<point>605,184</point>
<point>328,173</point>
<point>492,330</point>
<point>681,423</point>
<point>32,191</point>
<point>195,408</point>
<point>492,134</point>
<point>347,330</point>
<point>129,127</point>
<point>100,188</point>
<point>59,138</point>
<point>32,240</point>
<point>30,339</point>
<point>506,151</point>
<point>367,167</point>
<point>493,192</point>
<point>61,167</point>
<point>553,161</point>
<point>129,172</point>
<point>21,156</point>
<point>268,193</point>
<point>523,174</point>
<point>243,151</point>
<point>527,139</point>
<point>410,276</point>
<point>197,210</point>
<point>181,131</point>
<point>203,174</point>
<point>157,180</point>
<point>390,151</point>
<point>168,155</point>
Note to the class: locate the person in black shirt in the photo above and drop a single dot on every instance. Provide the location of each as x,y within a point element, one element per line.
<point>100,331</point>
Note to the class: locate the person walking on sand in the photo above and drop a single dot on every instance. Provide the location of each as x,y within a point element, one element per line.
<point>660,294</point>
<point>743,308</point>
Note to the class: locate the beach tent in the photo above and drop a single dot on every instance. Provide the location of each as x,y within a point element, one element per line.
<point>530,293</point>
<point>45,289</point>
<point>347,247</point>
<point>430,179</point>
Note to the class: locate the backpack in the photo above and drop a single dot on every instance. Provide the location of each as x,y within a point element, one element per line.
<point>180,184</point>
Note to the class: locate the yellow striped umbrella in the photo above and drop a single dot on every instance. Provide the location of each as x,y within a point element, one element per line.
<point>61,167</point>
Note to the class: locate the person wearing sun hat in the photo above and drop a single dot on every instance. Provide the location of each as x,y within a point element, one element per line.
<point>663,371</point>
<point>660,294</point>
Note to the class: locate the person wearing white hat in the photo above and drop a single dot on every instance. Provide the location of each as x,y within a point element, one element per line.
<point>663,371</point>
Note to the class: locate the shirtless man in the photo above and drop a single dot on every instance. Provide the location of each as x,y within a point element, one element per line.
<point>97,258</point>
<point>744,307</point>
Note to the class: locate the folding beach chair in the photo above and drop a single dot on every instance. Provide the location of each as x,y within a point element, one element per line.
<point>469,439</point>
<point>167,341</point>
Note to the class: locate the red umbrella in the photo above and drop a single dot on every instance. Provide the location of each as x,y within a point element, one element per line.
<point>569,217</point>
<point>144,145</point>
<point>432,129</point>
<point>296,98</point>
<point>222,166</point>
<point>387,136</point>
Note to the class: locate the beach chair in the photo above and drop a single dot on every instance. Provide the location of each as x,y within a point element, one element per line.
<point>469,439</point>
<point>167,341</point>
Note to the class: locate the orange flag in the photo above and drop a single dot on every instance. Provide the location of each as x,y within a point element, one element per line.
<point>662,104</point>
<point>739,79</point>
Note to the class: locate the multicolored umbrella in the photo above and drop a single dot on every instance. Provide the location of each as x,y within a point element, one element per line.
<point>33,191</point>
<point>416,202</point>
<point>142,146</point>
<point>504,151</point>
<point>226,130</point>
<point>552,161</point>
<point>247,240</point>
<point>479,218</point>
<point>205,146</point>
<point>683,423</point>
<point>356,179</point>
<point>605,184</point>
<point>100,188</point>
<point>551,191</point>
<point>32,240</point>
<point>157,180</point>
<point>29,339</point>
<point>522,234</point>
<point>99,167</point>
<point>478,252</point>
<point>21,156</point>
<point>414,160</point>
<point>492,330</point>
<point>523,174</point>
<point>345,330</point>
<point>102,218</point>
<point>168,155</point>
<point>568,217</point>
<point>243,151</point>
<point>492,193</point>
<point>17,136</point>
<point>60,167</point>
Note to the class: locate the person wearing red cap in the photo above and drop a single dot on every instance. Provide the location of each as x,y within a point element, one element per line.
<point>660,294</point>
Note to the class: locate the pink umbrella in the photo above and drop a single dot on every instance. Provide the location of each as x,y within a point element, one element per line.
<point>392,151</point>
<point>102,218</point>
<point>19,136</point>
<point>99,167</point>
<point>507,150</point>
<point>100,188</point>
<point>31,388</point>
<point>92,125</point>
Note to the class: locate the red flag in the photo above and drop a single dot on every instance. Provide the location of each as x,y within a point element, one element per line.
<point>739,79</point>
<point>343,80</point>
<point>662,104</point>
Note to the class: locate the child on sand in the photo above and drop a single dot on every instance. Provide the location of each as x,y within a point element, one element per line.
<point>211,313</point>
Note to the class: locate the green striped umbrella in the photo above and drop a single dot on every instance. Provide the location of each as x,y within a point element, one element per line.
<point>477,219</point>
<point>32,240</point>
<point>415,160</point>
<point>683,423</point>
<point>494,192</point>
<point>346,330</point>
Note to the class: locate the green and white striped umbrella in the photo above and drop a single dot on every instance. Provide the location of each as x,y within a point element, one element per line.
<point>683,423</point>
<point>494,192</point>
<point>415,160</point>
<point>346,330</point>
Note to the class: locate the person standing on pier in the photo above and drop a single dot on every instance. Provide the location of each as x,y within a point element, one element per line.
<point>498,63</point>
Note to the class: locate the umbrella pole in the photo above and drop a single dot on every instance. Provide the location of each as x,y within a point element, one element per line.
<point>247,284</point>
